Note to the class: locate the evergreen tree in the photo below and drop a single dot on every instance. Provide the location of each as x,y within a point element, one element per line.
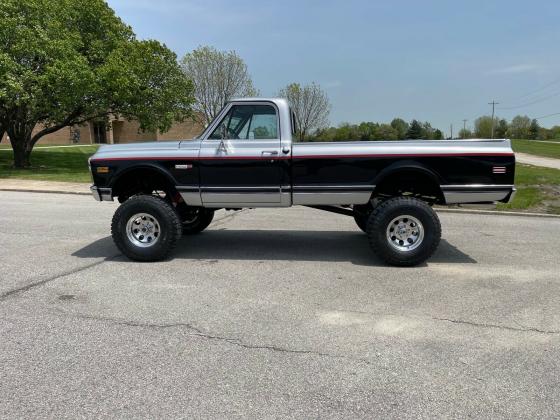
<point>415,130</point>
<point>534,129</point>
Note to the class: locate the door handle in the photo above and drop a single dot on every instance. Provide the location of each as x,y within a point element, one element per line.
<point>270,153</point>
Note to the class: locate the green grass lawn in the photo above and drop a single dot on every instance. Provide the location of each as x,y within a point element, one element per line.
<point>68,164</point>
<point>537,148</point>
<point>538,190</point>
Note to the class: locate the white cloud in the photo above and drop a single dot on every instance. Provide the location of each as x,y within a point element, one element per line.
<point>515,69</point>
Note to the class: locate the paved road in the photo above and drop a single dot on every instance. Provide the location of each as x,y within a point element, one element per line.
<point>275,314</point>
<point>537,160</point>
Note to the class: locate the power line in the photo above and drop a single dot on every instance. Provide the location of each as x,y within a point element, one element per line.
<point>536,90</point>
<point>546,116</point>
<point>536,101</point>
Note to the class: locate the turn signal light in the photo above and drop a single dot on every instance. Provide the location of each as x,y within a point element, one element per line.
<point>102,169</point>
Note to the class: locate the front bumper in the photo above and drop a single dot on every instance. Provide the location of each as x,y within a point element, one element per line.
<point>101,194</point>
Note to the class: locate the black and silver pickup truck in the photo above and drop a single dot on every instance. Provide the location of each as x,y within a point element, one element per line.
<point>248,157</point>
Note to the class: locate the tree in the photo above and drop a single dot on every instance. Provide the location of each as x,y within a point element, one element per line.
<point>519,127</point>
<point>414,130</point>
<point>310,105</point>
<point>501,128</point>
<point>534,130</point>
<point>386,132</point>
<point>483,127</point>
<point>438,135</point>
<point>218,76</point>
<point>368,130</point>
<point>465,133</point>
<point>401,126</point>
<point>64,62</point>
<point>427,131</point>
<point>554,132</point>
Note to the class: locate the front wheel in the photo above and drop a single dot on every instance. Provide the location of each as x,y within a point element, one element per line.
<point>404,231</point>
<point>146,228</point>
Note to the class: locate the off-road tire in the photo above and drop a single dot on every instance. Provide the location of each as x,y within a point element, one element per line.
<point>385,213</point>
<point>203,219</point>
<point>168,221</point>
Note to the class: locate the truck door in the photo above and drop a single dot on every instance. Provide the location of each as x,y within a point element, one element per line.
<point>239,159</point>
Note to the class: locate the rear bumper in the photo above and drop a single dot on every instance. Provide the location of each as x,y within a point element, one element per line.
<point>478,194</point>
<point>101,194</point>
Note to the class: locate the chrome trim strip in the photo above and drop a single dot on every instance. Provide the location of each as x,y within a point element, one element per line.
<point>334,187</point>
<point>457,197</point>
<point>236,188</point>
<point>478,186</point>
<point>187,187</point>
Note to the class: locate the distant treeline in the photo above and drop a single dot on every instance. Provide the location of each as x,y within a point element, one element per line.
<point>398,129</point>
<point>520,127</point>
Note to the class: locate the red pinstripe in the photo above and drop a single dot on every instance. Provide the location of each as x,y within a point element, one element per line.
<point>186,158</point>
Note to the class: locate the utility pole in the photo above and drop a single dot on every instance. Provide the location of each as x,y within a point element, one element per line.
<point>493,103</point>
<point>451,131</point>
<point>464,127</point>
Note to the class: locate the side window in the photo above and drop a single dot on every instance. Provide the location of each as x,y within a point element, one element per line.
<point>248,122</point>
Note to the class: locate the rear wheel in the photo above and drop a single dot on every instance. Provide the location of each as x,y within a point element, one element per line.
<point>196,219</point>
<point>146,228</point>
<point>404,231</point>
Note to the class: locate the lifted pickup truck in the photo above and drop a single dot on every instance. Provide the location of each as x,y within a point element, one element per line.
<point>248,157</point>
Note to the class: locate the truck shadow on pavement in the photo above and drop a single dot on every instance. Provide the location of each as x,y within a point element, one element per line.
<point>275,245</point>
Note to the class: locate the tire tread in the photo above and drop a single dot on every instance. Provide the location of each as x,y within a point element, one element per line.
<point>169,213</point>
<point>380,247</point>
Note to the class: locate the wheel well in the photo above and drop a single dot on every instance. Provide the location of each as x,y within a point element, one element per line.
<point>413,183</point>
<point>142,181</point>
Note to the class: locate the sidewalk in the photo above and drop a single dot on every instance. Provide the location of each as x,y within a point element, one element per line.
<point>537,160</point>
<point>44,186</point>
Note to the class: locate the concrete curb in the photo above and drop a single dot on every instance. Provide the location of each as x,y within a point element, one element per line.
<point>438,209</point>
<point>498,213</point>
<point>45,191</point>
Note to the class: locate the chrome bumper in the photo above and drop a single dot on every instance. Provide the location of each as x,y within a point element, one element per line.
<point>101,194</point>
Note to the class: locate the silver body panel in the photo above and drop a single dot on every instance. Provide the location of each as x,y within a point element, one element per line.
<point>402,148</point>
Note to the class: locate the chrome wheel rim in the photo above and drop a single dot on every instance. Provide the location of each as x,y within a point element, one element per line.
<point>405,233</point>
<point>143,230</point>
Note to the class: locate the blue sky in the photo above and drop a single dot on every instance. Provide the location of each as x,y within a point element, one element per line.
<point>440,61</point>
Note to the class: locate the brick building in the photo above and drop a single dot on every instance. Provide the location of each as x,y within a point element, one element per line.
<point>118,131</point>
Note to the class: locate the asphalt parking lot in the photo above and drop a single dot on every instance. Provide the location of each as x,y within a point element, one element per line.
<point>275,313</point>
